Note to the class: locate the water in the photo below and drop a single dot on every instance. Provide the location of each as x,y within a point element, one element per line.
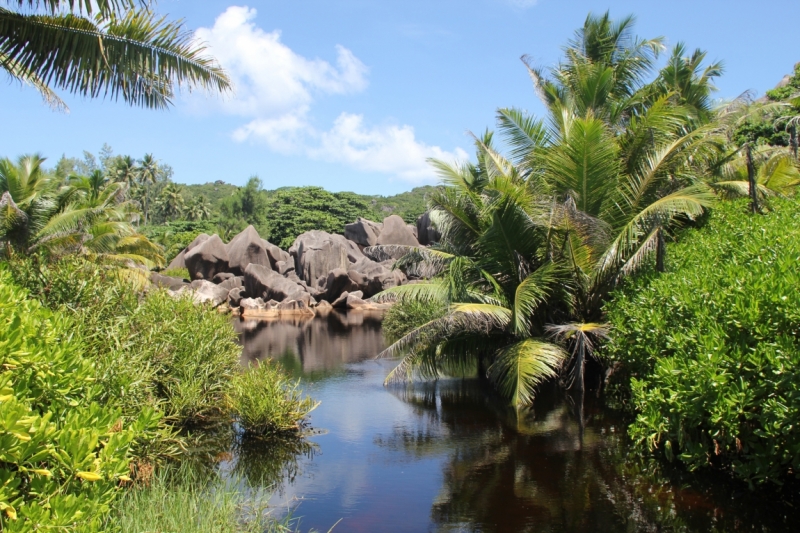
<point>446,457</point>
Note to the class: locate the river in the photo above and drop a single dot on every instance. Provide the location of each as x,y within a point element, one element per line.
<point>447,457</point>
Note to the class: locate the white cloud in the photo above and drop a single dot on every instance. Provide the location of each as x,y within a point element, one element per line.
<point>268,76</point>
<point>388,149</point>
<point>275,89</point>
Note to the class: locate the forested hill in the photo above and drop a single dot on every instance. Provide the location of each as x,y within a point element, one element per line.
<point>279,215</point>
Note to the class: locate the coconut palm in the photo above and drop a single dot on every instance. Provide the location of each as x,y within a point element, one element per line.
<point>170,201</point>
<point>27,200</point>
<point>536,240</point>
<point>113,48</point>
<point>148,174</point>
<point>125,170</point>
<point>199,209</point>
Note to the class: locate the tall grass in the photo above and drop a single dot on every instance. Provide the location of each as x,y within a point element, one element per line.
<point>267,402</point>
<point>181,501</point>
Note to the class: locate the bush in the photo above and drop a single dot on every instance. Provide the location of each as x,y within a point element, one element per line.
<point>407,315</point>
<point>63,452</point>
<point>713,346</point>
<point>267,402</point>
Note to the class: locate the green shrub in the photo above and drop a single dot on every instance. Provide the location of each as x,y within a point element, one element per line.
<point>713,346</point>
<point>63,451</point>
<point>407,315</point>
<point>267,402</point>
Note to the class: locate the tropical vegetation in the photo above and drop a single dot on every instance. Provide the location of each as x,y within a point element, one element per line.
<point>113,48</point>
<point>533,242</point>
<point>710,347</point>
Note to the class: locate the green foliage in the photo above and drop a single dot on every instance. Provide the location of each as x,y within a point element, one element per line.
<point>791,89</point>
<point>760,132</point>
<point>407,315</point>
<point>176,235</point>
<point>63,450</point>
<point>295,210</point>
<point>267,402</point>
<point>712,346</point>
<point>176,273</point>
<point>187,502</point>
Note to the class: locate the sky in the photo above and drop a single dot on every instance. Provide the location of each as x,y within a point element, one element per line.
<point>356,95</point>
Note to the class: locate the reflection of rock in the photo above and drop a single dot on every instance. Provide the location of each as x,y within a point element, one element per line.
<point>320,344</point>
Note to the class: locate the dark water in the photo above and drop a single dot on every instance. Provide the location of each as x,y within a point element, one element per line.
<point>446,457</point>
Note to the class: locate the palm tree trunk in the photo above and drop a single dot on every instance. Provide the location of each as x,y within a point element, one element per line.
<point>661,250</point>
<point>793,139</point>
<point>751,179</point>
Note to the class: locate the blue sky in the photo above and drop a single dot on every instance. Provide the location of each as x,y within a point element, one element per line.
<point>356,94</point>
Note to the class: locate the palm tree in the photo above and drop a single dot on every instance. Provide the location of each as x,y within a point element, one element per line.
<point>170,201</point>
<point>536,241</point>
<point>113,48</point>
<point>87,215</point>
<point>125,170</point>
<point>148,176</point>
<point>27,199</point>
<point>200,209</point>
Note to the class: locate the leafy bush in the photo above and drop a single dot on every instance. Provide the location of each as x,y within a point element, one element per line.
<point>267,402</point>
<point>63,451</point>
<point>407,315</point>
<point>155,351</point>
<point>177,273</point>
<point>713,346</point>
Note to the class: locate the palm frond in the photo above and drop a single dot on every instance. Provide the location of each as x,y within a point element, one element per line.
<point>519,368</point>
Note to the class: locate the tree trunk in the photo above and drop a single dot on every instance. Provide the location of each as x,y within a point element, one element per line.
<point>751,179</point>
<point>793,139</point>
<point>661,250</point>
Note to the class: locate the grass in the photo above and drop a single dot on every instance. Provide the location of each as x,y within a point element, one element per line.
<point>182,273</point>
<point>180,500</point>
<point>267,401</point>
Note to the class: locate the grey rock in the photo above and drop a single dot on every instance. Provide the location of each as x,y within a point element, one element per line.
<point>222,277</point>
<point>372,277</point>
<point>355,302</point>
<point>341,301</point>
<point>207,259</point>
<point>275,254</point>
<point>205,291</point>
<point>180,259</point>
<point>167,282</point>
<point>233,282</point>
<point>246,248</point>
<point>317,252</point>
<point>395,231</point>
<point>336,283</point>
<point>260,281</point>
<point>427,233</point>
<point>362,231</point>
<point>284,267</point>
<point>235,296</point>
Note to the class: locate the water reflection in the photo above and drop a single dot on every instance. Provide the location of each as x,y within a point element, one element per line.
<point>448,457</point>
<point>313,348</point>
